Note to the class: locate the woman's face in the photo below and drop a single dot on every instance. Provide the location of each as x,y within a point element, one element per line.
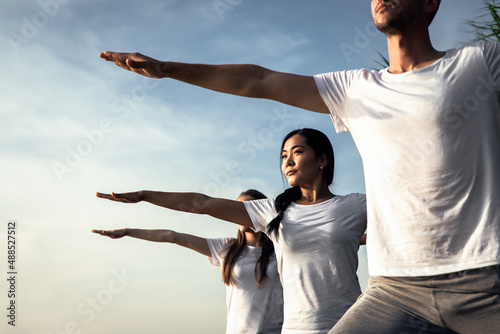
<point>299,162</point>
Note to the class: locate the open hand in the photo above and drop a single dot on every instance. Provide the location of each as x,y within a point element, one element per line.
<point>133,197</point>
<point>113,234</point>
<point>137,63</point>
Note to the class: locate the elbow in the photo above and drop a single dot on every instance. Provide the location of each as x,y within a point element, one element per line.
<point>170,236</point>
<point>200,204</point>
<point>255,87</point>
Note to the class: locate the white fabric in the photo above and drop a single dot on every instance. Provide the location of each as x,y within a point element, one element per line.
<point>430,145</point>
<point>250,309</point>
<point>317,258</point>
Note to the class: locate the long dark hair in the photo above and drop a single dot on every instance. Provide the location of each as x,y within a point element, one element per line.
<point>320,144</point>
<point>237,248</point>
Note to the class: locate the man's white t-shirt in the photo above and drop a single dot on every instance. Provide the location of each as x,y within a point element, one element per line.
<point>317,258</point>
<point>250,309</point>
<point>430,144</point>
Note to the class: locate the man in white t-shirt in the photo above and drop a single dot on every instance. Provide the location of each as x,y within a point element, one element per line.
<point>428,131</point>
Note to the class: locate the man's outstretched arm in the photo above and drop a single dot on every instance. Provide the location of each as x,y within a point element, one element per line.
<point>242,80</point>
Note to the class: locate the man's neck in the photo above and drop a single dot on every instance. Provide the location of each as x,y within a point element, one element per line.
<point>408,52</point>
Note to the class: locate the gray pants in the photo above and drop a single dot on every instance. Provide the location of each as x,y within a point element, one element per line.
<point>462,302</point>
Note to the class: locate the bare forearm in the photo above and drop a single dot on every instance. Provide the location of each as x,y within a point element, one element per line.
<point>187,202</point>
<point>251,81</point>
<point>151,235</point>
<point>237,79</point>
<point>193,242</point>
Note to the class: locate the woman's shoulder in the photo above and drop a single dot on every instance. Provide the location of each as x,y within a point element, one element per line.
<point>219,245</point>
<point>355,197</point>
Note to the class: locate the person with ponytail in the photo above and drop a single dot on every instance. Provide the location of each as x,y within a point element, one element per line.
<point>316,234</point>
<point>254,296</point>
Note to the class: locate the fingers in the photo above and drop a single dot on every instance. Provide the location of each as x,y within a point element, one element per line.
<point>112,56</point>
<point>111,234</point>
<point>106,196</point>
<point>101,232</point>
<point>112,196</point>
<point>134,62</point>
<point>120,59</point>
<point>123,198</point>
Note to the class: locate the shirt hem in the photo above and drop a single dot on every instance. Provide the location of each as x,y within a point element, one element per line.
<point>435,270</point>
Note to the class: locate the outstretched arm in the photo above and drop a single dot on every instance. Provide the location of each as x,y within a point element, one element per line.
<point>243,80</point>
<point>228,210</point>
<point>193,242</point>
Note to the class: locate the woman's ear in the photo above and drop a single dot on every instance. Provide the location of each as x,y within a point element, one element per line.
<point>323,160</point>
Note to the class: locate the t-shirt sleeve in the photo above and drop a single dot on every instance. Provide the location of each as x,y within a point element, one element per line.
<point>333,88</point>
<point>492,56</point>
<point>261,212</point>
<point>218,247</point>
<point>361,198</point>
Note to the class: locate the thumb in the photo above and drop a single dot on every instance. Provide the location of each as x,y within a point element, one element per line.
<point>138,64</point>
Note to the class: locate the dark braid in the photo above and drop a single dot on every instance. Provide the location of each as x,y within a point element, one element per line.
<point>281,203</point>
<point>261,265</point>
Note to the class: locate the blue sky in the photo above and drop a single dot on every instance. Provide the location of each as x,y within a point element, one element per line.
<point>73,124</point>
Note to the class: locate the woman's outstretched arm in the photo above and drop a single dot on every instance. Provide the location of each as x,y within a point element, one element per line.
<point>225,209</point>
<point>193,242</point>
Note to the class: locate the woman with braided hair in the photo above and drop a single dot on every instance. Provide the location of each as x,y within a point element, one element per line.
<point>316,234</point>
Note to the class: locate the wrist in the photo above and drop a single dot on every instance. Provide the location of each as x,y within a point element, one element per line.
<point>165,68</point>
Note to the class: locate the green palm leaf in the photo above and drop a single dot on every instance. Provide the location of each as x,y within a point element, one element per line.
<point>487,25</point>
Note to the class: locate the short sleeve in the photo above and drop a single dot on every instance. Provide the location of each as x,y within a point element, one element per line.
<point>333,88</point>
<point>361,198</point>
<point>492,56</point>
<point>261,212</point>
<point>218,247</point>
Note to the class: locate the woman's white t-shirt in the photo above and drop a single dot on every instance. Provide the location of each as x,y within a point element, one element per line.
<point>317,258</point>
<point>250,309</point>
